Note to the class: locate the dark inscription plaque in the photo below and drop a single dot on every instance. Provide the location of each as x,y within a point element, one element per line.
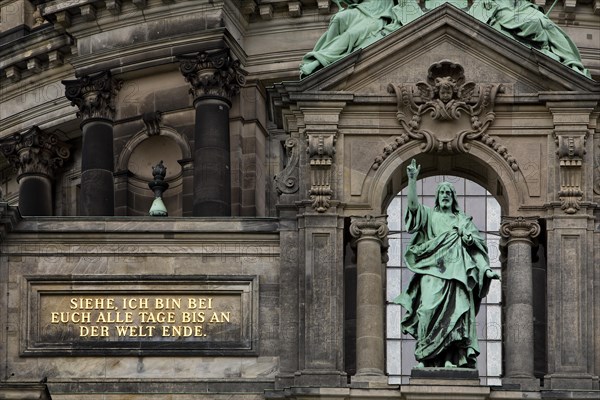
<point>198,315</point>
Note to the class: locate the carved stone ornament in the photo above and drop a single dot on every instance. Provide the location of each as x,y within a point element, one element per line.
<point>212,74</point>
<point>320,150</point>
<point>152,122</point>
<point>445,113</point>
<point>94,95</point>
<point>35,152</point>
<point>286,182</point>
<point>570,153</point>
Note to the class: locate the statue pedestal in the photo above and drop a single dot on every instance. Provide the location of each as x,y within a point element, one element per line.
<point>444,383</point>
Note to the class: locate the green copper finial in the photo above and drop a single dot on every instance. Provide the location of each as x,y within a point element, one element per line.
<point>158,186</point>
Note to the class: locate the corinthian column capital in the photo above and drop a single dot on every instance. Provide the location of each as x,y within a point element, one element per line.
<point>520,229</point>
<point>35,152</point>
<point>212,74</point>
<point>94,95</point>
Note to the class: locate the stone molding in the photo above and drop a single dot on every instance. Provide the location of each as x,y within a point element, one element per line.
<point>523,229</point>
<point>35,152</point>
<point>286,182</point>
<point>94,95</point>
<point>212,74</point>
<point>426,109</point>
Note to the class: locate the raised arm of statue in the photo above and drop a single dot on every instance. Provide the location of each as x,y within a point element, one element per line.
<point>413,172</point>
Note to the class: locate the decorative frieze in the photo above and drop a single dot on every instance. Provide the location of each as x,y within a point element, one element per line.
<point>35,152</point>
<point>212,74</point>
<point>446,112</point>
<point>94,95</point>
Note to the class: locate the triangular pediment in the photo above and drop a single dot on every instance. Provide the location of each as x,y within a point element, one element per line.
<point>447,33</point>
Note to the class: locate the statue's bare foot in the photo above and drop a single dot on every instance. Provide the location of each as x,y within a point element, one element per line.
<point>448,364</point>
<point>420,365</point>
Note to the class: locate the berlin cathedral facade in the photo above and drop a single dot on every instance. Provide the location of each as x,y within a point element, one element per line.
<point>184,214</point>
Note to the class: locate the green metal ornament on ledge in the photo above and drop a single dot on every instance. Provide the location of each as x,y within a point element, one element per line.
<point>158,186</point>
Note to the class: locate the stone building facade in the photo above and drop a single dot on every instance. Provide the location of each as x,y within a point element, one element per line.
<point>267,278</point>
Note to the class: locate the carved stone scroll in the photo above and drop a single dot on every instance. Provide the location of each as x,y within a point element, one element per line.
<point>286,182</point>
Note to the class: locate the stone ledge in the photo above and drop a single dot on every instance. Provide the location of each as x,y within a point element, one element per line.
<point>24,391</point>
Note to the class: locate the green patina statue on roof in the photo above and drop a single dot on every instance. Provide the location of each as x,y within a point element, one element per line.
<point>452,275</point>
<point>359,23</point>
<point>525,22</point>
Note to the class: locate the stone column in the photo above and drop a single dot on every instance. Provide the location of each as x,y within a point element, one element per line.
<point>519,233</point>
<point>36,155</point>
<point>94,95</point>
<point>370,234</point>
<point>215,78</point>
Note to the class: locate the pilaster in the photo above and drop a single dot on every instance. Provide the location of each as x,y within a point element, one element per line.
<point>571,302</point>
<point>321,293</point>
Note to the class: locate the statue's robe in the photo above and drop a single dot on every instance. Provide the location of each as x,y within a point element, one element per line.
<point>357,26</point>
<point>444,295</point>
<point>526,23</point>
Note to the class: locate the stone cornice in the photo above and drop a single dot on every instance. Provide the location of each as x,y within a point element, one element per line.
<point>35,152</point>
<point>41,50</point>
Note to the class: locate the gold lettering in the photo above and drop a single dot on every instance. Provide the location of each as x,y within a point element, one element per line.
<point>93,331</point>
<point>219,318</point>
<point>192,317</point>
<point>202,303</point>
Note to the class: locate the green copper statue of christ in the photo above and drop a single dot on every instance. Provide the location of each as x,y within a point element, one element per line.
<point>452,274</point>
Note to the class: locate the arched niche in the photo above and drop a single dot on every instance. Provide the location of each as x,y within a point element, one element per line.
<point>134,172</point>
<point>480,164</point>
